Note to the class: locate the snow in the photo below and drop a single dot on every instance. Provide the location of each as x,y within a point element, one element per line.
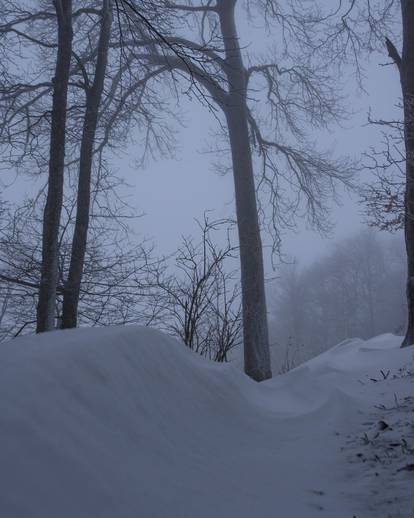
<point>126,422</point>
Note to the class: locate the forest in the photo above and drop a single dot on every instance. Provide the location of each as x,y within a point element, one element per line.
<point>206,252</point>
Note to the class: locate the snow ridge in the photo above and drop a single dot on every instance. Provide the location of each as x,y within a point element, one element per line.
<point>125,422</point>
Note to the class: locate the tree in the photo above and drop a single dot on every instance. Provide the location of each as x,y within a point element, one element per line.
<point>123,282</point>
<point>405,65</point>
<point>353,291</point>
<point>118,277</point>
<point>93,101</point>
<point>200,302</point>
<point>297,92</point>
<point>366,27</point>
<point>107,94</point>
<point>53,207</point>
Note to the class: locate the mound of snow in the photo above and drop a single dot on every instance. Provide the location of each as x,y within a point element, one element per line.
<point>126,422</point>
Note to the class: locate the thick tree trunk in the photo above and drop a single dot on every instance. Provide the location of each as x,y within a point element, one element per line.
<point>255,329</point>
<point>407,83</point>
<point>52,211</point>
<point>93,100</point>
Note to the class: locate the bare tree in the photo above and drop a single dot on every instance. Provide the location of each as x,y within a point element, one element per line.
<point>117,282</point>
<point>200,302</point>
<point>123,283</point>
<point>297,89</point>
<point>53,207</point>
<point>405,64</point>
<point>353,291</point>
<point>93,100</point>
<point>296,93</point>
<point>364,27</point>
<point>383,196</point>
<point>107,94</point>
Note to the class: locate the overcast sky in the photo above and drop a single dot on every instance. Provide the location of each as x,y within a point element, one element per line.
<point>174,192</point>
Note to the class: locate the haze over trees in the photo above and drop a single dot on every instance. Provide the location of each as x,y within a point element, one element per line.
<point>278,270</point>
<point>354,291</point>
<point>103,75</point>
<point>297,91</point>
<point>387,27</point>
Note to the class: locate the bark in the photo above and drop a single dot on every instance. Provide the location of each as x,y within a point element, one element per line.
<point>255,328</point>
<point>79,242</point>
<point>53,207</point>
<point>407,84</point>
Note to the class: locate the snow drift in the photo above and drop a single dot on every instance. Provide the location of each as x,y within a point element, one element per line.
<point>126,422</point>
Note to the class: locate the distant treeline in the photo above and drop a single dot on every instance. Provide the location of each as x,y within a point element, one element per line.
<point>355,291</point>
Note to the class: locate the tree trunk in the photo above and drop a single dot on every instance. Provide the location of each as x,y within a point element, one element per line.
<point>93,100</point>
<point>53,207</point>
<point>255,329</point>
<point>407,83</point>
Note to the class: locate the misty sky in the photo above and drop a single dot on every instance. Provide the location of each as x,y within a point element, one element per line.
<point>174,192</point>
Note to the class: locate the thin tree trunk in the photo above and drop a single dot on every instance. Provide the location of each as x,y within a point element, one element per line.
<point>255,328</point>
<point>53,208</point>
<point>407,83</point>
<point>93,100</point>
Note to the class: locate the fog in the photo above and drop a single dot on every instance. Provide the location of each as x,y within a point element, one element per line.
<point>172,193</point>
<point>206,258</point>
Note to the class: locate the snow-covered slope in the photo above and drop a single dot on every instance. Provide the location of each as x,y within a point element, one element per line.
<point>127,423</point>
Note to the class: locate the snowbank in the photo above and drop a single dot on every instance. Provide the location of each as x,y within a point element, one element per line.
<point>126,422</point>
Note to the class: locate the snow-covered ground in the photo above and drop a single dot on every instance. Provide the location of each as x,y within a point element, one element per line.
<point>127,423</point>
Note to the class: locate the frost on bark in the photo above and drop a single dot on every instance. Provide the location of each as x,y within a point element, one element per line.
<point>53,207</point>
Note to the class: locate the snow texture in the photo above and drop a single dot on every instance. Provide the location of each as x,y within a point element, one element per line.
<point>126,423</point>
